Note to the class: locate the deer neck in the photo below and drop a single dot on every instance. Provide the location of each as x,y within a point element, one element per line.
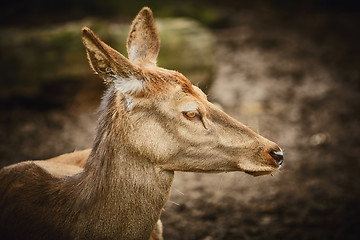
<point>119,185</point>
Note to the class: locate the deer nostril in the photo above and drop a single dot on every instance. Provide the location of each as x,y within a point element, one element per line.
<point>278,156</point>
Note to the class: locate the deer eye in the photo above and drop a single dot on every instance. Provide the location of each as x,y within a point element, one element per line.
<point>191,115</point>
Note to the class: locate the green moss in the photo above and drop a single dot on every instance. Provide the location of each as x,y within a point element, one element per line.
<point>31,57</point>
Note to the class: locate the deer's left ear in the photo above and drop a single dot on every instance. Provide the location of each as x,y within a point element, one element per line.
<point>143,42</point>
<point>111,65</point>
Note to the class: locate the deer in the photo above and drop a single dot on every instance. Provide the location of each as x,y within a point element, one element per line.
<point>151,122</point>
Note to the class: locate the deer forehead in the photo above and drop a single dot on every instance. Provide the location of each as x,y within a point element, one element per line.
<point>169,101</point>
<point>183,99</point>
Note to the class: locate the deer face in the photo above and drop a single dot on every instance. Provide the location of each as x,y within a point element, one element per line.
<point>172,123</point>
<point>179,129</point>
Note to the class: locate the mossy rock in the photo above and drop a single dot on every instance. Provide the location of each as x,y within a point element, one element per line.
<point>32,57</point>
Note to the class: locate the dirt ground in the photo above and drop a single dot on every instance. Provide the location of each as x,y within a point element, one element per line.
<point>295,81</point>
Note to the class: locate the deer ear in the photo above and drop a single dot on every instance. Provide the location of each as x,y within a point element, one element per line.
<point>143,42</point>
<point>111,65</point>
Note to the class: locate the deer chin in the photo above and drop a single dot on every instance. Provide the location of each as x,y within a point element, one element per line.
<point>260,173</point>
<point>257,170</point>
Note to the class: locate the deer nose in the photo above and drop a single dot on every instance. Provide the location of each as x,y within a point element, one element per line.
<point>277,155</point>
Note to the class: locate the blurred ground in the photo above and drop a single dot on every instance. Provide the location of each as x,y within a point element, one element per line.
<point>293,78</point>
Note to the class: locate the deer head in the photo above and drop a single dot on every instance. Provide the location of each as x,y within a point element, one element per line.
<point>163,118</point>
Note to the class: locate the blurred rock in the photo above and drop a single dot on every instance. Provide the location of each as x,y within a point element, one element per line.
<point>187,47</point>
<point>319,139</point>
<point>33,57</point>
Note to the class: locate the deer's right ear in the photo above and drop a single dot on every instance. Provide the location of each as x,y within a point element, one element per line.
<point>143,42</point>
<point>111,65</point>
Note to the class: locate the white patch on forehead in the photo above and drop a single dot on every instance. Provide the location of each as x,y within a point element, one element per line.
<point>129,85</point>
<point>191,106</point>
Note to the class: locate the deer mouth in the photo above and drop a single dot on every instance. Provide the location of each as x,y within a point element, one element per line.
<point>258,173</point>
<point>258,169</point>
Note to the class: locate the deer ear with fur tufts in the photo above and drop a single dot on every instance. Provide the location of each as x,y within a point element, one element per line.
<point>111,65</point>
<point>143,42</point>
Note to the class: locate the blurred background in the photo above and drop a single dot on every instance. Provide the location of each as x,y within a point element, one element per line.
<point>288,69</point>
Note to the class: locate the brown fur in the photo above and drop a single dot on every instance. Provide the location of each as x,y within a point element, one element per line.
<point>117,189</point>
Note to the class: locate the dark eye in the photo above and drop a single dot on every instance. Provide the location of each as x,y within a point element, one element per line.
<point>191,115</point>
